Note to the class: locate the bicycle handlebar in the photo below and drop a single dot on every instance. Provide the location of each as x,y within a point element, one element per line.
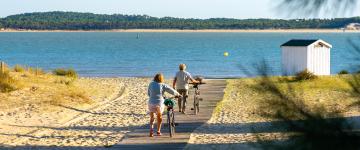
<point>197,83</point>
<point>173,97</point>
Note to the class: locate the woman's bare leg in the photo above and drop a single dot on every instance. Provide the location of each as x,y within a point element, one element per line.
<point>152,119</point>
<point>159,119</point>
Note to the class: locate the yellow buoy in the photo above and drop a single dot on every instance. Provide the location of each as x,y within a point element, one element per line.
<point>226,54</point>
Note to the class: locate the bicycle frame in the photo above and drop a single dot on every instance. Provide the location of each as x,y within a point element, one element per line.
<point>171,120</point>
<point>197,98</point>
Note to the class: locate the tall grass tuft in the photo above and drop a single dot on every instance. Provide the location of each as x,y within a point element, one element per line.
<point>35,71</point>
<point>39,71</point>
<point>19,68</point>
<point>7,83</point>
<point>65,72</point>
<point>305,75</point>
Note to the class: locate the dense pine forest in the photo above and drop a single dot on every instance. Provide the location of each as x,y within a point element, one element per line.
<point>89,21</point>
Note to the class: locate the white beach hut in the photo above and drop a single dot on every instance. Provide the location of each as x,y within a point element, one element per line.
<point>313,55</point>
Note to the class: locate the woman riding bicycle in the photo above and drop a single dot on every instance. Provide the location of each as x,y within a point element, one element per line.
<point>156,91</point>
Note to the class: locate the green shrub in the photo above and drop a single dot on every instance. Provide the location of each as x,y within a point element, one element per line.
<point>7,83</point>
<point>305,75</point>
<point>19,68</point>
<point>65,72</point>
<point>343,72</point>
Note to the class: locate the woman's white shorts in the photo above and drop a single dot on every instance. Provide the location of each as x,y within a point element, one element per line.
<point>153,108</point>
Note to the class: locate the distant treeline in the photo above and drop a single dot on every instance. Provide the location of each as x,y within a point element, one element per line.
<point>88,21</point>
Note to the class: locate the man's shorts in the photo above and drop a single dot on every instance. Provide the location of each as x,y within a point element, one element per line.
<point>183,92</point>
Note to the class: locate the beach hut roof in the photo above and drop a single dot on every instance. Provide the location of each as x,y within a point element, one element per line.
<point>300,42</point>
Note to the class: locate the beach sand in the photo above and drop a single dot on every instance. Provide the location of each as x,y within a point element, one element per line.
<point>118,105</point>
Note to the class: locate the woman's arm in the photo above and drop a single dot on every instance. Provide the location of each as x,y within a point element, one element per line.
<point>170,90</point>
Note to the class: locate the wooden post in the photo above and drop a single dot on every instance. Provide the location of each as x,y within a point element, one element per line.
<point>2,65</point>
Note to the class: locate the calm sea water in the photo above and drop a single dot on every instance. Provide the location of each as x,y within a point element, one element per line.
<point>113,54</point>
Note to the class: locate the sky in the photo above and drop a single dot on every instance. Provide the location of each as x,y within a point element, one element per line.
<point>240,9</point>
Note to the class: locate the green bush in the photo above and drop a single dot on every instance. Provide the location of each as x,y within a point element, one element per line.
<point>65,72</point>
<point>343,72</point>
<point>305,75</point>
<point>19,68</point>
<point>7,83</point>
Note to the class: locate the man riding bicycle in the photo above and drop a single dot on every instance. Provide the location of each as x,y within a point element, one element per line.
<point>180,83</point>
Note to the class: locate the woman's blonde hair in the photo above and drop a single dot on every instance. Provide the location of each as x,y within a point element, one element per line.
<point>159,78</point>
<point>182,66</point>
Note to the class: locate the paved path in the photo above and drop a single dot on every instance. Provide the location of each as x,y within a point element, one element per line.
<point>212,93</point>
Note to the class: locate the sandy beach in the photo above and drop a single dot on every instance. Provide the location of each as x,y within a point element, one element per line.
<point>116,105</point>
<point>200,31</point>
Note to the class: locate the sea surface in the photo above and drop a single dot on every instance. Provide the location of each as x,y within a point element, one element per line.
<point>119,54</point>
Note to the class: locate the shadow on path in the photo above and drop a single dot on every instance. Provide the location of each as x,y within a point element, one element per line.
<point>140,133</point>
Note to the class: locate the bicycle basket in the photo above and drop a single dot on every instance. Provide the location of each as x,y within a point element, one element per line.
<point>169,102</point>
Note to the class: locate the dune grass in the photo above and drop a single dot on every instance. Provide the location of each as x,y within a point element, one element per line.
<point>19,68</point>
<point>7,83</point>
<point>305,75</point>
<point>243,98</point>
<point>27,85</point>
<point>65,72</point>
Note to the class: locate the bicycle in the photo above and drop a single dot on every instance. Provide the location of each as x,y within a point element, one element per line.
<point>170,103</point>
<point>197,97</point>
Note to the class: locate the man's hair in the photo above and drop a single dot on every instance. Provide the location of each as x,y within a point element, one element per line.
<point>159,78</point>
<point>182,66</point>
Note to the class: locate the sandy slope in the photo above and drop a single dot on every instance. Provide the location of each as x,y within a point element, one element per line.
<point>119,105</point>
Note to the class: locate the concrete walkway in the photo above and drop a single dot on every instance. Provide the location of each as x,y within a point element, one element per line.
<point>212,93</point>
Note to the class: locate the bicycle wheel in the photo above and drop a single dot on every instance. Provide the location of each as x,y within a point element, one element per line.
<point>195,111</point>
<point>197,105</point>
<point>172,124</point>
<point>169,118</point>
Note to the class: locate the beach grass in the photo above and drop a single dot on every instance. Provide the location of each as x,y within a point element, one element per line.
<point>19,68</point>
<point>281,112</point>
<point>33,86</point>
<point>245,100</point>
<point>7,83</point>
<point>65,72</point>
